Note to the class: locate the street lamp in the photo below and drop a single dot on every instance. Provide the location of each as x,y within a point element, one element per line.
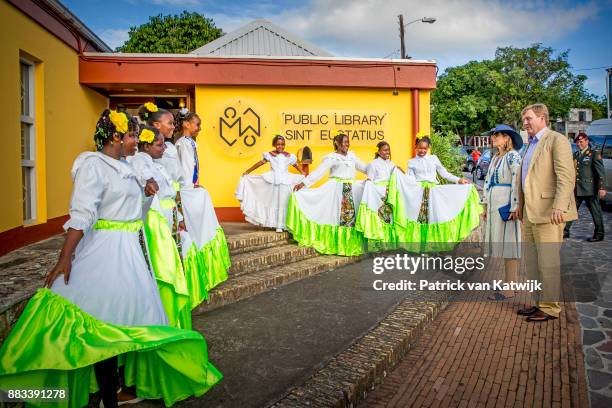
<point>428,20</point>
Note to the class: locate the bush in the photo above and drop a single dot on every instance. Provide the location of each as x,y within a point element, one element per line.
<point>446,147</point>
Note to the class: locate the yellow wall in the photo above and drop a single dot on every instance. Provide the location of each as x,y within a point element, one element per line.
<point>222,165</point>
<point>66,114</point>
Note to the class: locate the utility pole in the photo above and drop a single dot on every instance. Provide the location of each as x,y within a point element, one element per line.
<point>609,89</point>
<point>402,45</point>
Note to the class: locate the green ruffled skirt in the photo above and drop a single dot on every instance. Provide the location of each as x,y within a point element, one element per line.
<point>168,270</point>
<point>54,344</point>
<point>410,234</point>
<point>325,239</point>
<point>207,267</point>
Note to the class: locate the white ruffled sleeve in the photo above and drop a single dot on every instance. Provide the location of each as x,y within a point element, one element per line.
<point>442,170</point>
<point>89,185</point>
<point>319,172</point>
<point>292,159</point>
<point>266,156</point>
<point>359,165</point>
<point>371,170</point>
<point>142,169</point>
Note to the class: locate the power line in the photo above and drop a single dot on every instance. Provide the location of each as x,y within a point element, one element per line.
<point>394,52</point>
<point>591,69</point>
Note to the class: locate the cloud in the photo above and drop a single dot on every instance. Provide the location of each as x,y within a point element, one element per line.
<point>369,28</point>
<point>114,37</point>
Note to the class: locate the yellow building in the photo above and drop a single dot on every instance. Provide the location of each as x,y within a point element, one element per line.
<point>258,81</point>
<point>49,117</point>
<point>247,86</point>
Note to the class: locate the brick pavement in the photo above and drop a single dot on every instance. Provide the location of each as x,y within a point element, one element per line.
<point>480,353</point>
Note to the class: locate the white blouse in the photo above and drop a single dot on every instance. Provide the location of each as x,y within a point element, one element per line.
<point>186,149</point>
<point>104,188</point>
<point>170,160</point>
<point>380,169</point>
<point>145,168</point>
<point>425,169</point>
<point>280,168</point>
<point>339,166</point>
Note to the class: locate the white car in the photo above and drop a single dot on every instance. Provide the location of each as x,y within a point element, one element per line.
<point>600,136</point>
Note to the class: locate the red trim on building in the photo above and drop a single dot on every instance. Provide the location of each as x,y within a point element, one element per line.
<point>43,15</point>
<point>18,237</point>
<point>229,214</point>
<point>116,72</point>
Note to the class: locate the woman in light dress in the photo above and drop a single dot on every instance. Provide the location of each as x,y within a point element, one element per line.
<point>205,252</point>
<point>103,301</point>
<point>160,214</point>
<point>500,198</point>
<point>324,218</point>
<point>263,198</point>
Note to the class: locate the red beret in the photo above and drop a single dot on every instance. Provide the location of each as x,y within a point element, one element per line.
<point>580,136</point>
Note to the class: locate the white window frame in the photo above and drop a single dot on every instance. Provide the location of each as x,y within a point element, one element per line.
<point>30,164</point>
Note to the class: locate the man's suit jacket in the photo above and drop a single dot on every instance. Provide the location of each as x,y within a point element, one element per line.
<point>550,180</point>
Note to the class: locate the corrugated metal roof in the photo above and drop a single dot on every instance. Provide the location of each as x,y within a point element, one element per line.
<point>260,37</point>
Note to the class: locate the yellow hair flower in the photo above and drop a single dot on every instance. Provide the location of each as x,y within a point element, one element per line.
<point>421,134</point>
<point>120,121</point>
<point>150,106</point>
<point>146,136</point>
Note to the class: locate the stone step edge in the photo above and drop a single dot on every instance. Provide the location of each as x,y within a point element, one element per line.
<point>348,377</point>
<point>245,286</point>
<point>254,241</point>
<point>292,253</point>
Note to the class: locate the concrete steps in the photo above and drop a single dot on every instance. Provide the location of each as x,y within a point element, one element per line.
<point>260,259</point>
<point>265,260</point>
<point>250,284</point>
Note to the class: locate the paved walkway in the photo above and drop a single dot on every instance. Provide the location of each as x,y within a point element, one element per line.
<point>480,353</point>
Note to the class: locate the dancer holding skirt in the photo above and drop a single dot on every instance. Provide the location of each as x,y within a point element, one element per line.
<point>430,216</point>
<point>263,198</point>
<point>324,218</point>
<point>375,216</point>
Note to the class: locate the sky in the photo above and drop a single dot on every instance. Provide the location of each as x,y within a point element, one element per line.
<point>465,30</point>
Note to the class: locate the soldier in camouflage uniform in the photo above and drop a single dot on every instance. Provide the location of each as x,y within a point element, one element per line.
<point>590,184</point>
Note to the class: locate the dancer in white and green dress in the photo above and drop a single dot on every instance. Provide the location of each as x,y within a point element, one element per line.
<point>263,198</point>
<point>324,218</point>
<point>101,301</point>
<point>205,253</point>
<point>160,215</point>
<point>375,216</point>
<point>435,216</point>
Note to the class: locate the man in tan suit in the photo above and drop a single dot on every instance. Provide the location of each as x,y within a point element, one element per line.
<point>546,203</point>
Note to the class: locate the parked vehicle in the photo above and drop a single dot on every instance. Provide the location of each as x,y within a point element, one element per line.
<point>600,137</point>
<point>469,161</point>
<point>482,166</point>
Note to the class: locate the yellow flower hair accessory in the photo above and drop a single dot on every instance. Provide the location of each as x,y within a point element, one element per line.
<point>120,120</point>
<point>150,106</point>
<point>146,136</point>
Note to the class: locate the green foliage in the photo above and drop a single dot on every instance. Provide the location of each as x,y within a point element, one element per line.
<point>177,34</point>
<point>474,97</point>
<point>446,147</point>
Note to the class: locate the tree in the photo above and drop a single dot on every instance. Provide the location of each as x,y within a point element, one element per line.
<point>472,98</point>
<point>178,34</point>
